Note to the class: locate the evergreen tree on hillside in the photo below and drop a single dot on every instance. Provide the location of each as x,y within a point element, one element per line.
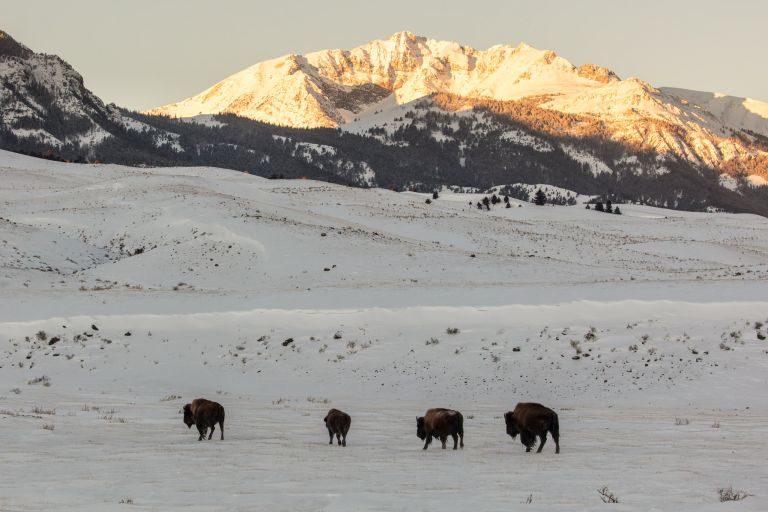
<point>608,207</point>
<point>540,199</point>
<point>599,207</point>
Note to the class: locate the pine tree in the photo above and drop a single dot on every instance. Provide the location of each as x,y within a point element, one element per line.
<point>608,207</point>
<point>599,207</point>
<point>617,210</point>
<point>540,199</point>
<point>434,195</point>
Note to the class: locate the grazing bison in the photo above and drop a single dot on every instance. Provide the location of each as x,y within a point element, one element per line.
<point>337,422</point>
<point>204,414</point>
<point>441,423</point>
<point>531,420</point>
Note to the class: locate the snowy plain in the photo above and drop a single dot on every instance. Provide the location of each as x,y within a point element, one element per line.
<point>280,299</point>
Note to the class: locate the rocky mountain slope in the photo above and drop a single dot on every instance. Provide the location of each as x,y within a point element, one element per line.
<point>45,102</point>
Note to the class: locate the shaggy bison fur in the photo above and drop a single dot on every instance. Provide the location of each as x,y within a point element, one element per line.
<point>204,414</point>
<point>531,420</point>
<point>441,423</point>
<point>337,422</point>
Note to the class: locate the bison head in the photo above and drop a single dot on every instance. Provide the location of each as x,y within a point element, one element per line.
<point>189,419</point>
<point>512,429</point>
<point>421,433</point>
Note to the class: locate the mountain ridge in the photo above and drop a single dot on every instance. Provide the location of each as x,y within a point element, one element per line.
<point>664,150</point>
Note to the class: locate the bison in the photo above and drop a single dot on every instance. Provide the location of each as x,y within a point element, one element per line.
<point>441,423</point>
<point>337,422</point>
<point>531,420</point>
<point>204,414</point>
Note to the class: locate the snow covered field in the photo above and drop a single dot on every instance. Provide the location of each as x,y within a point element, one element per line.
<point>645,332</point>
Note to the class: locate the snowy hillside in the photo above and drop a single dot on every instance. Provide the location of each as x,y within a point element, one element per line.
<point>126,292</point>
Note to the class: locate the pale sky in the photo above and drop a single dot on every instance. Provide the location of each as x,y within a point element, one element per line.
<point>145,53</point>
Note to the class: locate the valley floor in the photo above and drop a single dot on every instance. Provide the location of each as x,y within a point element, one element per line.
<point>125,293</point>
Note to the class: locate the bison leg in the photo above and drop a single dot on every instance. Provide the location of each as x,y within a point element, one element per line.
<point>202,431</point>
<point>344,440</point>
<point>443,439</point>
<point>429,440</point>
<point>461,440</point>
<point>556,437</point>
<point>330,433</point>
<point>455,441</point>
<point>543,437</point>
<point>210,435</point>
<point>528,440</point>
<point>338,438</point>
<point>221,427</point>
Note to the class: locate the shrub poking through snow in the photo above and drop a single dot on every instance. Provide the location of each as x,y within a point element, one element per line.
<point>452,330</point>
<point>607,496</point>
<point>44,380</point>
<point>432,341</point>
<point>728,494</point>
<point>681,421</point>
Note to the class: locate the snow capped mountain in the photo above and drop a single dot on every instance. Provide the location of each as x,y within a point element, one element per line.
<point>333,88</point>
<point>327,88</point>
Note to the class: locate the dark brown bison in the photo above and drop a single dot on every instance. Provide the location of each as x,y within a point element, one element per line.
<point>337,422</point>
<point>204,414</point>
<point>531,420</point>
<point>441,423</point>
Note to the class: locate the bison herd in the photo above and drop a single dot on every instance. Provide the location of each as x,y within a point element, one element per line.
<point>528,420</point>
